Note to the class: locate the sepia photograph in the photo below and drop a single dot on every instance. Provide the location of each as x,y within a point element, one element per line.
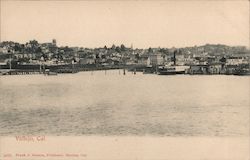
<point>168,71</point>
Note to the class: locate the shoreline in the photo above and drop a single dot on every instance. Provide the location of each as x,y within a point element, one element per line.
<point>72,69</point>
<point>27,72</point>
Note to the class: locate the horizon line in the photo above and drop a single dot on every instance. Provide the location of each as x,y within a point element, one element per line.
<point>132,44</point>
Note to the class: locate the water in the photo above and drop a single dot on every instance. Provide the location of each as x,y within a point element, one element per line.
<point>114,104</point>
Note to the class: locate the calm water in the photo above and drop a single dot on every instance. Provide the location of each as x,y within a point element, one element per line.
<point>113,104</point>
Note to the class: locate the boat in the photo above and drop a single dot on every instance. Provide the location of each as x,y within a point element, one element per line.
<point>243,72</point>
<point>49,73</point>
<point>172,70</point>
<point>5,72</point>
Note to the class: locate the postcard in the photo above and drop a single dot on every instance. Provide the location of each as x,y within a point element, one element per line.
<point>124,80</point>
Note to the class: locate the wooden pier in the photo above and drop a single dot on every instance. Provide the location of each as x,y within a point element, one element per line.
<point>19,72</point>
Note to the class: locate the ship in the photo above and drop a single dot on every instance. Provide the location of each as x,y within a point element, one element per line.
<point>172,70</point>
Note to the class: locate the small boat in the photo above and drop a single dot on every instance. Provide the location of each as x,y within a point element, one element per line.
<point>49,73</point>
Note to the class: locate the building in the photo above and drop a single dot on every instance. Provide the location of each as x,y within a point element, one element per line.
<point>143,60</point>
<point>155,59</point>
<point>198,69</point>
<point>49,44</point>
<point>85,61</point>
<point>3,50</point>
<point>188,59</point>
<point>215,68</point>
<point>234,60</point>
<point>54,42</point>
<point>180,59</point>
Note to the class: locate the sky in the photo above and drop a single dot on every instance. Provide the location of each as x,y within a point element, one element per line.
<point>141,23</point>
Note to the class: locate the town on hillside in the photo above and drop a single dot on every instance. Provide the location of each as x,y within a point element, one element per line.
<point>34,57</point>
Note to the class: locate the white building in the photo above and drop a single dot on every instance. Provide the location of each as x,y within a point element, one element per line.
<point>235,61</point>
<point>155,59</point>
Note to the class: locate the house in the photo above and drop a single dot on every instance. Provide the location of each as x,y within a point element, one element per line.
<point>4,50</point>
<point>198,69</point>
<point>143,60</point>
<point>168,59</point>
<point>230,69</point>
<point>85,61</point>
<point>111,62</point>
<point>188,59</point>
<point>180,59</point>
<point>234,60</point>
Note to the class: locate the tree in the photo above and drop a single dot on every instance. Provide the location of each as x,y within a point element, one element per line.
<point>17,47</point>
<point>123,48</point>
<point>32,46</point>
<point>38,50</point>
<point>113,47</point>
<point>163,50</point>
<point>34,43</point>
<point>150,50</point>
<point>118,49</point>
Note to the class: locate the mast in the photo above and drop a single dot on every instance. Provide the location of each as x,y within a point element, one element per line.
<point>10,63</point>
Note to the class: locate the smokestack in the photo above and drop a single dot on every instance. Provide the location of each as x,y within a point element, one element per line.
<point>174,57</point>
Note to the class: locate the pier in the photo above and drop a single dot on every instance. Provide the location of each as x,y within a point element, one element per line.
<point>18,72</point>
<point>71,69</point>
